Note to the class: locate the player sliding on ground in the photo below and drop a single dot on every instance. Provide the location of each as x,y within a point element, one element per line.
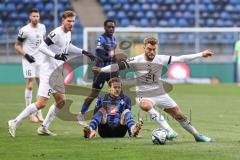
<point>113,116</point>
<point>56,48</point>
<point>149,90</point>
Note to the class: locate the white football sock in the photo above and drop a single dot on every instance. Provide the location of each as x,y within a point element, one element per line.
<point>155,115</point>
<point>28,97</point>
<point>32,108</point>
<point>188,127</point>
<point>53,110</point>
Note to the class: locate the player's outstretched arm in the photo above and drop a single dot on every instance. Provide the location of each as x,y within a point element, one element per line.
<point>75,50</point>
<point>44,49</point>
<point>111,68</point>
<point>190,57</point>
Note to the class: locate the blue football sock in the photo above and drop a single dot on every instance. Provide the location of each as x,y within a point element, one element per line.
<point>96,120</point>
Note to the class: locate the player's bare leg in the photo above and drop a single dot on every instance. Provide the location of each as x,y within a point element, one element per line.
<point>148,106</point>
<point>52,112</point>
<point>176,113</point>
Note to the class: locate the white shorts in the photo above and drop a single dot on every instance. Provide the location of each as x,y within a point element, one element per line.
<point>30,70</point>
<point>163,101</point>
<point>49,84</point>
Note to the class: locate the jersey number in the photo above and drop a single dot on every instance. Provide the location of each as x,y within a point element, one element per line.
<point>28,73</point>
<point>49,92</point>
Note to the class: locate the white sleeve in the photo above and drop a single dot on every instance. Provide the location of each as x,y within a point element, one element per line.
<point>73,49</point>
<point>185,58</point>
<point>22,35</point>
<point>44,49</point>
<point>110,68</point>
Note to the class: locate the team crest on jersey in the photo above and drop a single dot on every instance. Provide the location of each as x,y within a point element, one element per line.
<point>130,59</point>
<point>122,102</point>
<point>99,44</point>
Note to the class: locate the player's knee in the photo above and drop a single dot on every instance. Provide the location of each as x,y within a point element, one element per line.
<point>145,105</point>
<point>40,104</point>
<point>125,112</point>
<point>29,86</point>
<point>60,103</point>
<point>122,120</point>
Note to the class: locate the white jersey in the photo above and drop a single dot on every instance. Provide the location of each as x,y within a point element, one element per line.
<point>58,42</point>
<point>148,73</point>
<point>32,37</point>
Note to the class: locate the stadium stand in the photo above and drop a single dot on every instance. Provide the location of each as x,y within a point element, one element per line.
<point>138,13</point>
<point>14,14</point>
<point>175,13</point>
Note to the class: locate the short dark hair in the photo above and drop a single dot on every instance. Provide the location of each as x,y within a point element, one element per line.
<point>68,13</point>
<point>108,20</point>
<point>34,10</point>
<point>114,79</point>
<point>151,40</point>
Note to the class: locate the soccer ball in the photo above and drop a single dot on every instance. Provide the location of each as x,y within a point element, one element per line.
<point>159,136</point>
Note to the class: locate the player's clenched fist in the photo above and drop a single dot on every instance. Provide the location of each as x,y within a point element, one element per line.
<point>207,53</point>
<point>62,57</point>
<point>96,69</point>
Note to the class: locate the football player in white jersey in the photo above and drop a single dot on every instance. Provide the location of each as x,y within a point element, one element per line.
<point>150,90</point>
<point>29,38</point>
<point>55,47</point>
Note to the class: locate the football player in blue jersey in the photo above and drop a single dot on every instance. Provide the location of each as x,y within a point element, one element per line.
<point>113,116</point>
<point>105,55</point>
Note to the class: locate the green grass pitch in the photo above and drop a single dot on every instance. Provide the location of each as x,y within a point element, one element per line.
<point>215,111</point>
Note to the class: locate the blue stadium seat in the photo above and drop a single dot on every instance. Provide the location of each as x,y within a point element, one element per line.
<point>111,14</point>
<point>140,14</point>
<point>146,6</point>
<point>126,7</point>
<point>49,7</point>
<point>10,7</point>
<point>144,22</point>
<point>162,23</point>
<point>136,7</point>
<point>172,22</point>
<point>150,15</point>
<point>135,23</point>
<point>121,14</point>
<point>125,22</point>
<point>107,7</point>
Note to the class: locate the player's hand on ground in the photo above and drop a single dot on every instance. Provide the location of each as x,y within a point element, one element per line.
<point>29,58</point>
<point>90,55</point>
<point>96,69</point>
<point>207,53</point>
<point>62,57</point>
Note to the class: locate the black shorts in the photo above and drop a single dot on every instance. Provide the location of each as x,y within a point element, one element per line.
<point>118,130</point>
<point>100,78</point>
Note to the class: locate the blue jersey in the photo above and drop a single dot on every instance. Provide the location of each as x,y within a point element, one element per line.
<point>105,46</point>
<point>114,106</point>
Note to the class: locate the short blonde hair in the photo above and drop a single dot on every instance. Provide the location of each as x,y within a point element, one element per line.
<point>151,40</point>
<point>113,80</point>
<point>68,13</point>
